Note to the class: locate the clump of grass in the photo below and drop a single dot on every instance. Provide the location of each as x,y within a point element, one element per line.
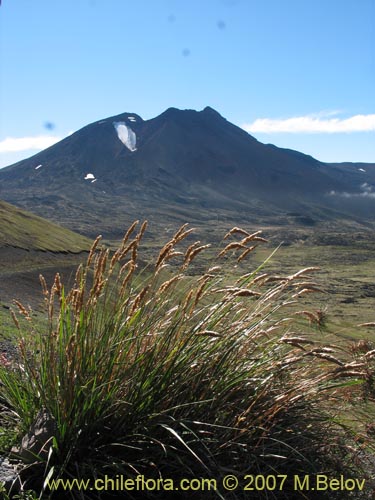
<point>159,372</point>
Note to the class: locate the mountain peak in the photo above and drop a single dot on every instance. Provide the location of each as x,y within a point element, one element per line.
<point>207,114</point>
<point>181,162</point>
<point>132,117</point>
<point>211,111</point>
<point>178,112</point>
<point>208,111</point>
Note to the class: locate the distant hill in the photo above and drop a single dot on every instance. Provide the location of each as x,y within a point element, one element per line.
<point>182,166</point>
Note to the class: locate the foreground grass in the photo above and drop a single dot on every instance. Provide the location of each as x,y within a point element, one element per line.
<point>160,373</point>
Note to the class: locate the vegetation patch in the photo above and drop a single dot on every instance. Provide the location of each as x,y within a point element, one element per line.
<point>20,229</point>
<point>155,371</point>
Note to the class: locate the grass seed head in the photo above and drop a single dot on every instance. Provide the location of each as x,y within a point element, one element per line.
<point>236,230</point>
<point>93,250</point>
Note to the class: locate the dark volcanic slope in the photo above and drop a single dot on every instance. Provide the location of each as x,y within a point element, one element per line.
<point>181,165</point>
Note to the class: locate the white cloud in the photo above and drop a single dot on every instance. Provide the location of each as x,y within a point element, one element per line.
<point>318,123</point>
<point>366,192</point>
<point>12,144</point>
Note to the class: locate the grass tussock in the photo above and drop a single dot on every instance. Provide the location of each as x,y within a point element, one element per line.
<point>157,371</point>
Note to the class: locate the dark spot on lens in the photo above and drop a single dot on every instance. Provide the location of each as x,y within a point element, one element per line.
<point>49,125</point>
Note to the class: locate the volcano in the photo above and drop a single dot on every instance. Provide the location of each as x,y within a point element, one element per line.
<point>183,165</point>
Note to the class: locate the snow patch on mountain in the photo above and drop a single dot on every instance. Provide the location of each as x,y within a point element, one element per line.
<point>132,118</point>
<point>38,167</point>
<point>126,135</point>
<point>89,177</point>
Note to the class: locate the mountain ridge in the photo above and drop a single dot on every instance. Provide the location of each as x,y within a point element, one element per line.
<point>178,166</point>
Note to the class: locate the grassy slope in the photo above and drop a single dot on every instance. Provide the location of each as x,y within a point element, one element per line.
<point>347,270</point>
<point>347,278</point>
<point>29,246</point>
<point>239,359</point>
<point>24,230</point>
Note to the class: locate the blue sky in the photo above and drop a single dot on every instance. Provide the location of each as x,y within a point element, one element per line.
<point>295,73</point>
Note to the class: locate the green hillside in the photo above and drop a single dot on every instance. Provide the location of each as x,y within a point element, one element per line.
<point>20,229</point>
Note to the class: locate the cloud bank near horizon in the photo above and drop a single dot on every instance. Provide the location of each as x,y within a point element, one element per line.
<point>312,124</point>
<point>366,192</point>
<point>18,144</point>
